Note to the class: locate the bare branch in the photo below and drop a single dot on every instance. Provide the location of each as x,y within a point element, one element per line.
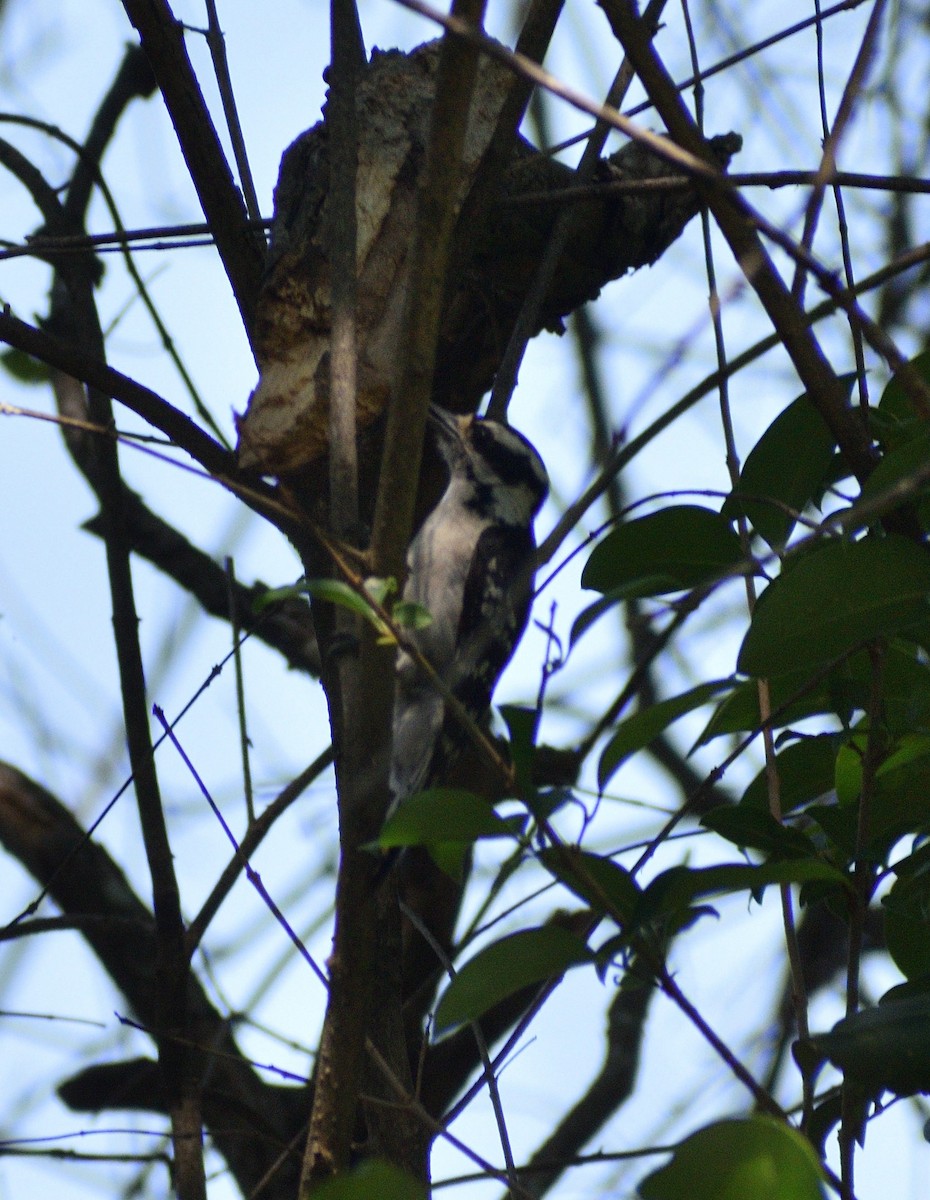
<point>248,1119</point>
<point>240,249</point>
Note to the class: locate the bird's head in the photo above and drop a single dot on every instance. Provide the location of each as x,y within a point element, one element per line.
<point>504,471</point>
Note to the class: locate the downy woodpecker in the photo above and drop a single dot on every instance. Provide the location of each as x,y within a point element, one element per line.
<point>471,567</point>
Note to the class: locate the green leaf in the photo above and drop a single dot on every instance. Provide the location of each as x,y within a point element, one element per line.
<point>371,1180</point>
<point>754,1158</point>
<point>805,772</point>
<point>895,418</point>
<point>839,823</point>
<point>678,887</point>
<point>336,592</point>
<point>546,802</point>
<point>883,1048</point>
<point>739,711</point>
<point>528,957</point>
<point>906,461</point>
<point>906,690</point>
<point>293,591</point>
<point>668,551</point>
<point>379,589</point>
<point>826,1116</point>
<point>442,815</point>
<point>901,801</point>
<point>907,916</point>
<point>785,470</point>
<point>843,691</point>
<point>643,727</point>
<point>908,750</point>
<point>24,368</point>
<point>521,724</point>
<point>410,615</point>
<point>832,600</point>
<point>848,769</point>
<point>755,828</point>
<point>451,858</point>
<point>597,880</point>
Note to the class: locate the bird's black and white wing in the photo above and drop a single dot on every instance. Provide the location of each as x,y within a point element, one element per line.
<point>495,611</point>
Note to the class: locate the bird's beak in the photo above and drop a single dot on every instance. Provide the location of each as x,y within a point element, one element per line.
<point>447,425</point>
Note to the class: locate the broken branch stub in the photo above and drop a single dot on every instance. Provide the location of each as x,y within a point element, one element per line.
<point>285,426</point>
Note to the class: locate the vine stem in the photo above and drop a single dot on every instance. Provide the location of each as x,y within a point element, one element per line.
<point>795,966</point>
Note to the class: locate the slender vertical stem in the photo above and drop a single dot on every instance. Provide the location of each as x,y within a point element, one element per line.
<point>527,321</point>
<point>341,1052</point>
<point>216,42</point>
<point>240,247</point>
<point>429,255</point>
<point>795,965</point>
<point>863,885</point>
<point>240,695</point>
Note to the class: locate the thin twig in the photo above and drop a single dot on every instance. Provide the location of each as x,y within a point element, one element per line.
<point>669,183</point>
<point>521,65</point>
<point>834,134</point>
<point>830,139</point>
<point>252,839</point>
<point>483,1052</point>
<point>241,251</point>
<point>763,688</point>
<point>216,43</point>
<point>864,875</point>
<point>252,875</point>
<point>147,404</point>
<point>738,225</point>
<point>625,454</point>
<point>528,319</point>
<point>244,742</point>
<point>61,225</point>
<point>755,48</point>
